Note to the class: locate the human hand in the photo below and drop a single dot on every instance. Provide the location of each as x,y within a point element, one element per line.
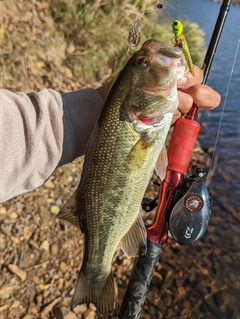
<point>190,90</point>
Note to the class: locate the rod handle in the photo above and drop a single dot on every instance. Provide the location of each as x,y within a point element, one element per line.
<point>139,282</point>
<point>180,149</point>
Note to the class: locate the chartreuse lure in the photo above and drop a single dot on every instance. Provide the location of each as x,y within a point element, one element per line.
<point>180,41</point>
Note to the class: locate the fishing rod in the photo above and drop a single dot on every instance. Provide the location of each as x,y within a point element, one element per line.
<point>184,204</point>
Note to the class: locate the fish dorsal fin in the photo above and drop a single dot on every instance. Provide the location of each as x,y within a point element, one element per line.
<point>135,239</point>
<point>161,164</point>
<point>68,212</point>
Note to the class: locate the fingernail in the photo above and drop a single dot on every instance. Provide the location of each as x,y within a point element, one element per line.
<point>182,81</point>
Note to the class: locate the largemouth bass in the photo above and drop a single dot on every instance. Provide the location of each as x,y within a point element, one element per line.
<point>126,145</point>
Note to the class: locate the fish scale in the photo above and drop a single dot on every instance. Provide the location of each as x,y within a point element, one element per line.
<point>120,159</point>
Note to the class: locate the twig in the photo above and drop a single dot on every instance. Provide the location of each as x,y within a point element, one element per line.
<point>38,265</point>
<point>49,308</point>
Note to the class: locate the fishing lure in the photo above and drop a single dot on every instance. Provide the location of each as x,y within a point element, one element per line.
<point>180,41</point>
<point>134,34</point>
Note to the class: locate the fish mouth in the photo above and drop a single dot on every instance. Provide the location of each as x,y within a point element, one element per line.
<point>163,91</point>
<point>168,56</point>
<point>153,118</point>
<point>147,119</point>
<point>165,54</point>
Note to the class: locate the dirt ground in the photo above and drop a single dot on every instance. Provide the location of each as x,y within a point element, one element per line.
<point>40,256</point>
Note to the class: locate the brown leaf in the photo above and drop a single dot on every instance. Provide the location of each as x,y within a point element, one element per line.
<point>7,289</point>
<point>17,271</point>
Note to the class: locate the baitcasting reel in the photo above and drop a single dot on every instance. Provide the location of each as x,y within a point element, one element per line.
<point>188,216</point>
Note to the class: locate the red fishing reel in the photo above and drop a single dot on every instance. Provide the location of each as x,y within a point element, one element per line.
<point>183,202</point>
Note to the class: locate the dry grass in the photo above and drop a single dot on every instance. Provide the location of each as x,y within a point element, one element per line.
<point>69,44</point>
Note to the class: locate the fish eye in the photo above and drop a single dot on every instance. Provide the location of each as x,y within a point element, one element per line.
<point>143,63</point>
<point>175,23</point>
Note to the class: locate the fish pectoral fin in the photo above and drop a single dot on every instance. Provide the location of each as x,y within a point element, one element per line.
<point>134,243</point>
<point>68,212</point>
<point>99,291</point>
<point>138,154</point>
<point>161,164</point>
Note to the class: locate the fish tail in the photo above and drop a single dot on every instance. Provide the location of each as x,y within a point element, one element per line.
<point>100,292</point>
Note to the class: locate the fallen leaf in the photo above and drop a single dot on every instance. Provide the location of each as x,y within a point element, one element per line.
<point>4,307</point>
<point>1,34</point>
<point>17,271</point>
<point>54,209</point>
<point>27,233</point>
<point>16,241</point>
<point>3,210</point>
<point>45,245</point>
<point>159,276</point>
<point>7,289</point>
<point>43,287</point>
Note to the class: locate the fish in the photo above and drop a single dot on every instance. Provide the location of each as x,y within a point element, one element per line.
<point>127,143</point>
<point>181,42</point>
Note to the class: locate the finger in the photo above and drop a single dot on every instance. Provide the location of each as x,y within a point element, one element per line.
<point>176,115</point>
<point>189,80</point>
<point>185,102</point>
<point>204,96</point>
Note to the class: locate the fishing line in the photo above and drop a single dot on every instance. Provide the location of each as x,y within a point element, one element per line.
<point>135,31</point>
<point>161,6</point>
<point>222,113</point>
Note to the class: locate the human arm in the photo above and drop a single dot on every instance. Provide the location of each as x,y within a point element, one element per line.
<point>41,131</point>
<point>190,90</point>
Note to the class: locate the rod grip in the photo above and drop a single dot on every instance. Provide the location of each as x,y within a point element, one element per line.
<point>139,282</point>
<point>180,149</point>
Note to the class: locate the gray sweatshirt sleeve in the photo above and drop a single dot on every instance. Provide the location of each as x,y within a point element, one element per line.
<point>41,131</point>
